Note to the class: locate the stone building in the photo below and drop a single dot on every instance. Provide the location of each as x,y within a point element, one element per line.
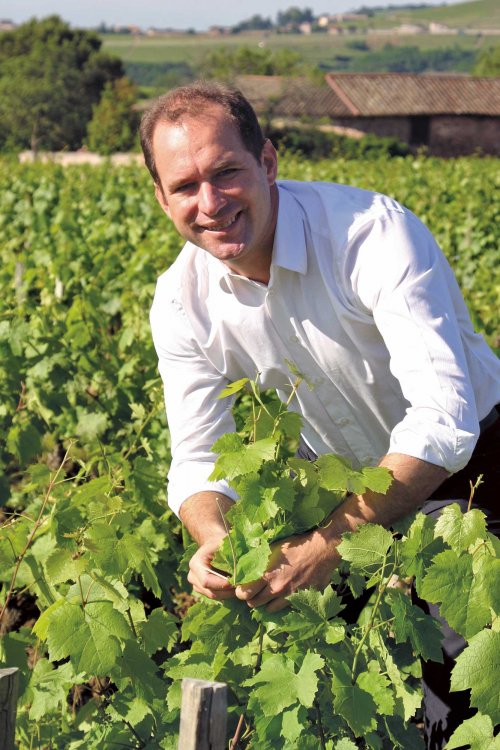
<point>449,115</point>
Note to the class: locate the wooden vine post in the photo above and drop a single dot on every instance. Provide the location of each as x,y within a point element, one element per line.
<point>9,687</point>
<point>203,715</point>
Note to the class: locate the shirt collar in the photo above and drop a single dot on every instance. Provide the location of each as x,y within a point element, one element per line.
<point>290,238</point>
<point>290,248</point>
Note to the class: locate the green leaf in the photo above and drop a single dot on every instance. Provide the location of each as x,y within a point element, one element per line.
<point>476,733</point>
<point>477,668</point>
<point>317,606</point>
<point>233,388</point>
<point>159,631</point>
<point>345,744</point>
<point>24,441</point>
<point>377,478</point>
<point>351,701</point>
<point>62,566</point>
<point>420,548</point>
<point>403,736</point>
<point>379,687</point>
<point>238,459</point>
<point>90,636</point>
<point>91,425</point>
<point>450,582</point>
<point>366,548</point>
<point>460,530</point>
<point>253,564</point>
<point>138,670</point>
<point>413,625</point>
<point>279,686</point>
<point>50,687</point>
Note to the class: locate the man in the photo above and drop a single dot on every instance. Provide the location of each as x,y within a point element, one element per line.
<point>346,284</point>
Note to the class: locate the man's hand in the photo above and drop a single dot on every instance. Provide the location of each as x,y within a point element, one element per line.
<point>210,584</point>
<point>299,562</point>
<point>203,516</point>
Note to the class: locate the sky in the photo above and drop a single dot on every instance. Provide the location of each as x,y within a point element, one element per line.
<point>177,14</point>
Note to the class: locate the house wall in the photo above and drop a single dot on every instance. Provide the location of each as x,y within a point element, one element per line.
<point>448,135</point>
<point>452,136</point>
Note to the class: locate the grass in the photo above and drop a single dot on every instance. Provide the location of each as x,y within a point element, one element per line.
<point>314,48</point>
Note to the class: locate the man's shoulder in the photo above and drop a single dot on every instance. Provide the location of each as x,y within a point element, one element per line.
<point>340,197</point>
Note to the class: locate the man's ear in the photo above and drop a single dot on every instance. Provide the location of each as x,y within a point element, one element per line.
<point>160,197</point>
<point>269,160</point>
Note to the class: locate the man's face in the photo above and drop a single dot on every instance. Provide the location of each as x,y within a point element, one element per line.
<point>216,193</point>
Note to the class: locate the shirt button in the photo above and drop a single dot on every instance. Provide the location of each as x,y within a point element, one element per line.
<point>294,339</point>
<point>270,292</point>
<point>343,422</point>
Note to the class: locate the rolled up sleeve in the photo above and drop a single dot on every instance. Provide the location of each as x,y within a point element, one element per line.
<point>411,292</point>
<point>196,417</point>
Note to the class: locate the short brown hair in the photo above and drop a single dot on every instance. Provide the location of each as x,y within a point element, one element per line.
<point>189,101</point>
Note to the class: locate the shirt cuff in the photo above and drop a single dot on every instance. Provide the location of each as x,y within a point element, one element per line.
<point>441,445</point>
<point>191,478</point>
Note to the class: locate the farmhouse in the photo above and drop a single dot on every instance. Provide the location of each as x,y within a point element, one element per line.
<point>450,115</point>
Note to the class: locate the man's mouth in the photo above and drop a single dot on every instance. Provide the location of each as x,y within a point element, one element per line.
<point>221,225</point>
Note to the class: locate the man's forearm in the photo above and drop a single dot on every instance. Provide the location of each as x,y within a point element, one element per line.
<point>202,515</point>
<point>414,482</point>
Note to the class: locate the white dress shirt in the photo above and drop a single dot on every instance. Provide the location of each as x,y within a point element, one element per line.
<point>363,303</point>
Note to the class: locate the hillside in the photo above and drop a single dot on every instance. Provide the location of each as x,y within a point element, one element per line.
<point>477,14</point>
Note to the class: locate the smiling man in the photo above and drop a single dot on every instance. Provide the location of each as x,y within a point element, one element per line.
<point>350,287</point>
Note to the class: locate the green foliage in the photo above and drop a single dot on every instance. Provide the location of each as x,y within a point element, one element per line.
<point>313,143</point>
<point>114,122</point>
<point>85,535</point>
<point>488,62</point>
<point>50,76</point>
<point>226,63</point>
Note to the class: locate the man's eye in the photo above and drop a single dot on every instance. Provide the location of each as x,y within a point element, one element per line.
<point>227,172</point>
<point>184,188</point>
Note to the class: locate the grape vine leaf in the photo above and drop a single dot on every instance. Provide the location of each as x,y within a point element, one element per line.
<point>50,687</point>
<point>463,600</point>
<point>412,624</point>
<point>346,744</point>
<point>476,733</point>
<point>420,547</point>
<point>253,564</point>
<point>159,631</point>
<point>378,686</point>
<point>233,388</point>
<point>136,668</point>
<point>235,458</point>
<point>351,701</point>
<point>90,636</point>
<point>477,668</point>
<point>279,686</point>
<point>365,548</point>
<point>460,530</point>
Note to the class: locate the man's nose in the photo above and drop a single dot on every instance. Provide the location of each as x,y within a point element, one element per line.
<point>210,199</point>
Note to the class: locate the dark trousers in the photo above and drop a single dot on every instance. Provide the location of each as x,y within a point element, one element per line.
<point>444,710</point>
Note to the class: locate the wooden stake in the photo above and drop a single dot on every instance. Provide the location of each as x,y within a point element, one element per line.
<point>9,687</point>
<point>203,715</point>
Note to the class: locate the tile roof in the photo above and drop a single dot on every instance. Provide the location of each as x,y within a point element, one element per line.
<point>378,94</point>
<point>290,97</point>
<point>372,95</point>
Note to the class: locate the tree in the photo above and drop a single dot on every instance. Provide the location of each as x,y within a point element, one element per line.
<point>114,123</point>
<point>488,62</point>
<point>295,15</point>
<point>226,63</point>
<point>50,77</point>
<point>256,22</point>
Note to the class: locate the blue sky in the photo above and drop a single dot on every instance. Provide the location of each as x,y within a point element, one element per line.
<point>182,14</point>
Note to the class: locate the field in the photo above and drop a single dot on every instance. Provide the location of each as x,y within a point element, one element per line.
<point>323,49</point>
<point>92,565</point>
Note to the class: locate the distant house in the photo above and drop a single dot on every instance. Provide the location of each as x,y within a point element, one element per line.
<point>450,115</point>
